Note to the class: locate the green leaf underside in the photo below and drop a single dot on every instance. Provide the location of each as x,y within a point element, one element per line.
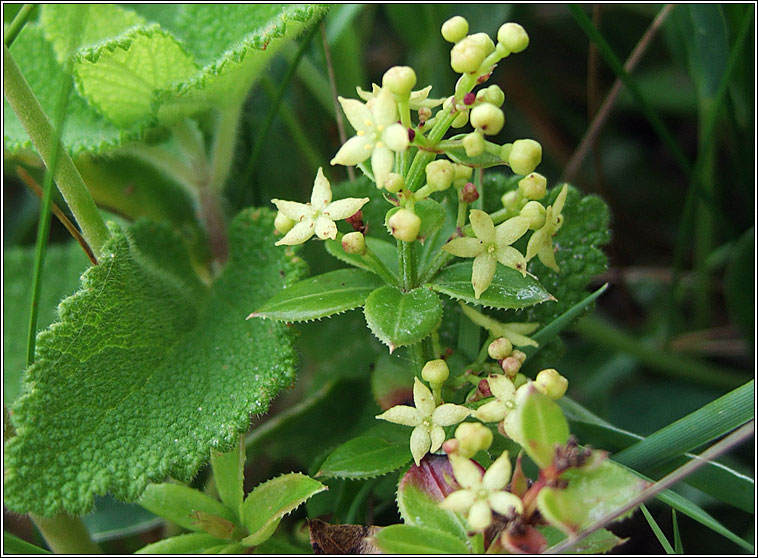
<point>538,426</point>
<point>178,503</point>
<point>418,509</point>
<point>400,318</point>
<point>589,496</point>
<point>320,296</point>
<point>409,539</point>
<point>190,543</point>
<point>509,289</point>
<point>364,457</point>
<point>599,542</point>
<point>227,47</point>
<point>147,369</point>
<point>269,502</point>
<point>63,266</point>
<point>384,251</point>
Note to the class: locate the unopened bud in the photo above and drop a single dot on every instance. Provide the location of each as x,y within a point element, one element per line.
<point>525,155</point>
<point>469,193</point>
<point>399,80</point>
<point>454,29</point>
<point>440,174</point>
<point>424,114</point>
<point>282,223</point>
<point>510,199</point>
<point>551,383</point>
<point>462,172</point>
<point>513,37</point>
<point>461,120</point>
<point>394,183</point>
<point>488,118</point>
<point>500,348</point>
<point>472,438</point>
<point>469,53</point>
<point>511,366</point>
<point>520,355</point>
<point>473,143</point>
<point>405,225</point>
<point>535,212</point>
<point>354,243</point>
<point>533,186</point>
<point>492,94</point>
<point>435,372</point>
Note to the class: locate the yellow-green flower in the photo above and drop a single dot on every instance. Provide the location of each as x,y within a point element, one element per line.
<point>491,245</point>
<point>515,332</point>
<point>318,216</point>
<point>427,420</point>
<point>504,392</point>
<point>481,495</point>
<point>541,242</point>
<point>418,99</point>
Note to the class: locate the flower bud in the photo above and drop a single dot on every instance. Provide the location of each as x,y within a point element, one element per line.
<point>473,143</point>
<point>399,80</point>
<point>535,212</point>
<point>472,437</point>
<point>394,183</point>
<point>513,37</point>
<point>454,29</point>
<point>461,120</point>
<point>492,94</point>
<point>396,137</point>
<point>435,372</point>
<point>520,355</point>
<point>282,223</point>
<point>424,114</point>
<point>488,118</point>
<point>510,366</point>
<point>500,348</point>
<point>510,199</point>
<point>533,186</point>
<point>525,155</point>
<point>469,193</point>
<point>404,225</point>
<point>440,174</point>
<point>354,243</point>
<point>551,383</point>
<point>468,54</point>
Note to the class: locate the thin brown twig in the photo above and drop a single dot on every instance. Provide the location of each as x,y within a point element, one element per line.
<point>569,173</point>
<point>34,187</point>
<point>743,433</point>
<point>333,84</point>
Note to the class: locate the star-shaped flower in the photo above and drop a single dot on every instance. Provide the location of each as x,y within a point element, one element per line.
<point>417,100</point>
<point>541,242</point>
<point>377,134</point>
<point>481,495</point>
<point>319,215</point>
<point>426,418</point>
<point>491,245</point>
<point>503,391</point>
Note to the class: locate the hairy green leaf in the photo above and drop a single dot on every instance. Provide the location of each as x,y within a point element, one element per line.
<point>509,289</point>
<point>148,369</point>
<point>181,504</point>
<point>400,318</point>
<point>320,296</point>
<point>410,539</point>
<point>190,543</point>
<point>269,502</point>
<point>365,457</point>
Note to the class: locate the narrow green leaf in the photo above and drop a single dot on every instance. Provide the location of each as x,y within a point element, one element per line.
<point>677,538</point>
<point>592,492</point>
<point>269,502</point>
<point>112,519</point>
<point>509,289</point>
<point>400,318</point>
<point>148,369</point>
<point>599,542</point>
<point>320,296</point>
<point>385,251</point>
<point>537,424</point>
<point>190,543</point>
<point>699,427</point>
<point>484,161</point>
<point>365,457</point>
<point>409,539</point>
<point>707,41</point>
<point>657,530</point>
<point>179,503</point>
<point>228,472</point>
<point>13,545</point>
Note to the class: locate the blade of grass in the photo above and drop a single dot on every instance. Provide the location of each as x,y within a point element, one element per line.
<point>734,439</point>
<point>14,545</point>
<point>657,530</point>
<point>652,116</point>
<point>18,23</point>
<point>664,362</point>
<point>678,549</point>
<point>699,427</point>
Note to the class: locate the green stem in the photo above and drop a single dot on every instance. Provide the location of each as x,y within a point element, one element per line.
<point>407,253</point>
<point>65,534</point>
<point>416,173</point>
<point>224,140</point>
<point>40,130</point>
<point>18,23</point>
